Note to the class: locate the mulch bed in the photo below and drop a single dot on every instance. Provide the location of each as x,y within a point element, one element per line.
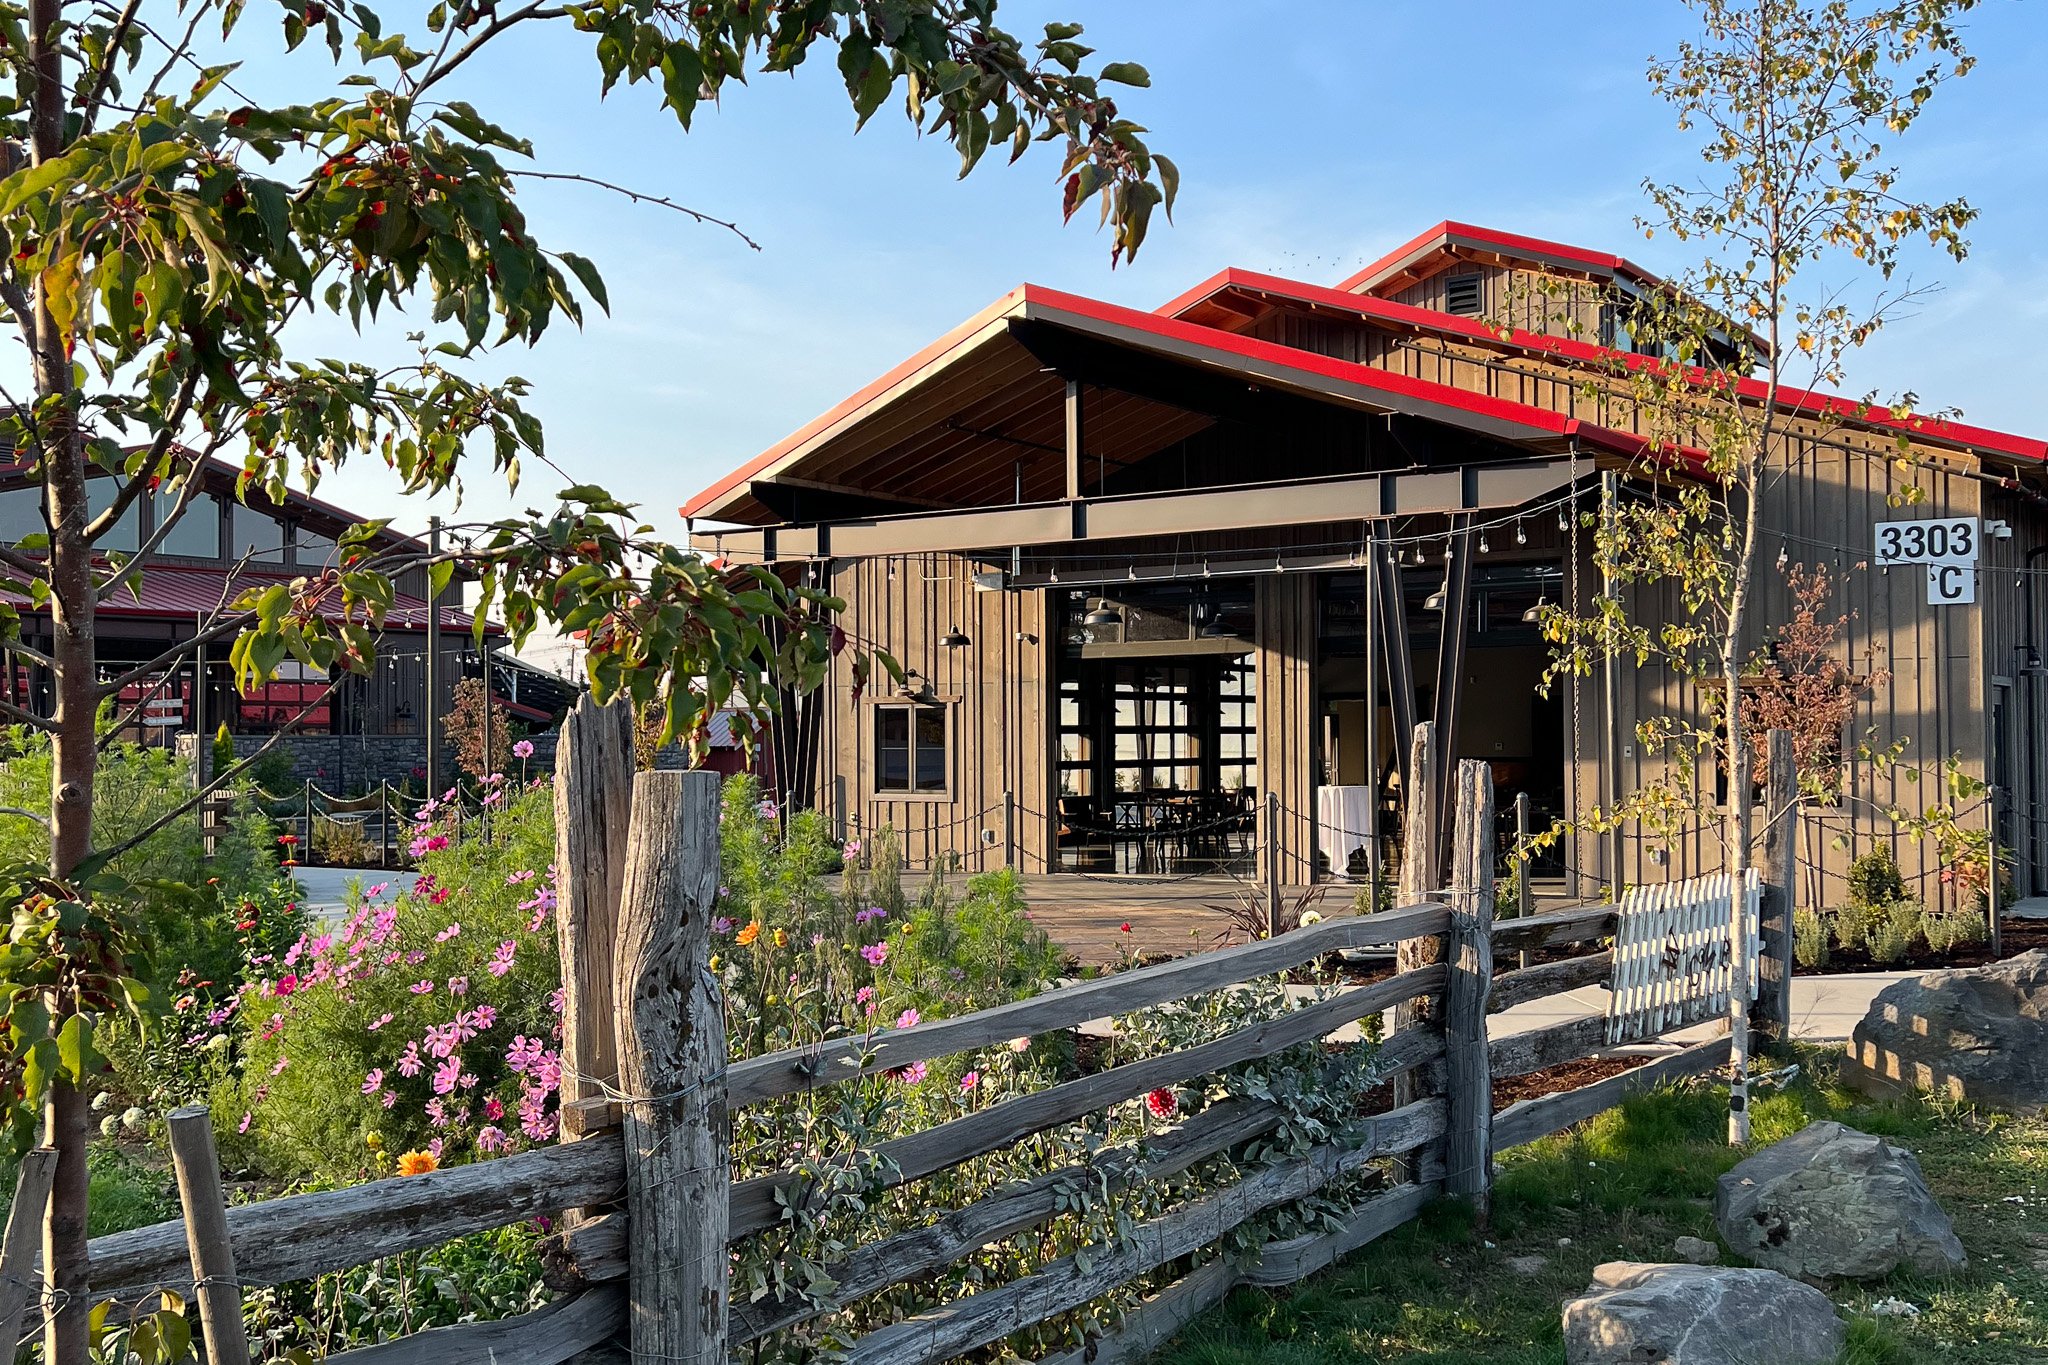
<point>2020,936</point>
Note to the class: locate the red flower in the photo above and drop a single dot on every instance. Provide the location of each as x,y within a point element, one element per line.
<point>287,838</point>
<point>1124,928</point>
<point>1163,1103</point>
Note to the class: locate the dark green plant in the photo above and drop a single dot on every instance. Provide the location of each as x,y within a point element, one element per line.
<point>1809,939</point>
<point>1874,878</point>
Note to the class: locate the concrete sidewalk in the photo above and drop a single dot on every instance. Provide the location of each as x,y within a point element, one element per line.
<point>1824,1008</point>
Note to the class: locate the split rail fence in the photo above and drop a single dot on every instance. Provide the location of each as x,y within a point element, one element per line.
<point>642,1176</point>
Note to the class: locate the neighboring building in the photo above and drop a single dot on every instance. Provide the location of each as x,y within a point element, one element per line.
<point>1139,565</point>
<point>223,547</point>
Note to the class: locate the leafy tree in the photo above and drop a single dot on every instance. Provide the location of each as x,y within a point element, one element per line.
<point>478,752</point>
<point>1796,104</point>
<point>160,230</point>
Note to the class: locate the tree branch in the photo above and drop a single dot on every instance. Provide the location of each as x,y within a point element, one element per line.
<point>145,474</point>
<point>223,627</point>
<point>641,198</point>
<point>90,108</point>
<point>21,716</point>
<point>536,10</point>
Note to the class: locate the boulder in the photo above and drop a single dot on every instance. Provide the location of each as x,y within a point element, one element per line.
<point>1696,1251</point>
<point>1637,1314</point>
<point>1978,1034</point>
<point>1830,1201</point>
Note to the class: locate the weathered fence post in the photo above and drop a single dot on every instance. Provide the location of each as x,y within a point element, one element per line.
<point>18,1281</point>
<point>1468,1087</point>
<point>1418,859</point>
<point>671,1040</point>
<point>1780,880</point>
<point>1010,829</point>
<point>593,809</point>
<point>206,1235</point>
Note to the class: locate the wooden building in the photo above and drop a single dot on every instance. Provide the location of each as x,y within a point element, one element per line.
<point>222,547</point>
<point>1170,584</point>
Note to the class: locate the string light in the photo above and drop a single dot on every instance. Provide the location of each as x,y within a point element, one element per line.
<point>1521,536</point>
<point>1484,548</point>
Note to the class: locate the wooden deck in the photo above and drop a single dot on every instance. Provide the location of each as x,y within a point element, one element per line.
<point>1085,914</point>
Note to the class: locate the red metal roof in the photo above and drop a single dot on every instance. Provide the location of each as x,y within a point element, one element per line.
<point>1399,391</point>
<point>1806,401</point>
<point>184,594</point>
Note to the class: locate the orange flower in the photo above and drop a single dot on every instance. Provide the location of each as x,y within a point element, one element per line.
<point>417,1163</point>
<point>747,935</point>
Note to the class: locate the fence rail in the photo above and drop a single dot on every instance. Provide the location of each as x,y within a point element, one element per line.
<point>642,1173</point>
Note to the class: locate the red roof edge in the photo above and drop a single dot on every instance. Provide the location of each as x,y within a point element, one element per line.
<point>1570,348</point>
<point>852,403</point>
<point>1507,243</point>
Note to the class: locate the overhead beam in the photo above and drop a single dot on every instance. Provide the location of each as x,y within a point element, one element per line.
<point>1077,439</point>
<point>1307,502</point>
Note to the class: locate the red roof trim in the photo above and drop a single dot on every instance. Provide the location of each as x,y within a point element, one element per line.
<point>1799,400</point>
<point>853,403</point>
<point>1401,390</point>
<point>1516,244</point>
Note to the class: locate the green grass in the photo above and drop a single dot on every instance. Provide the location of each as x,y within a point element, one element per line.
<point>1622,1188</point>
<point>125,1193</point>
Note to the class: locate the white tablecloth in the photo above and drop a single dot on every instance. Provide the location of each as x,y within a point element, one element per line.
<point>1342,819</point>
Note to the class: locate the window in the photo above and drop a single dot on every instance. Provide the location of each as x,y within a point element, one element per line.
<point>1461,295</point>
<point>259,537</point>
<point>197,534</point>
<point>125,534</point>
<point>911,750</point>
<point>21,515</point>
<point>311,550</point>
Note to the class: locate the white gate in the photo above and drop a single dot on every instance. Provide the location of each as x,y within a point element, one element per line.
<point>1672,959</point>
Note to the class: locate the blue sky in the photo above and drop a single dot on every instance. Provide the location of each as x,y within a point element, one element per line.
<point>1311,136</point>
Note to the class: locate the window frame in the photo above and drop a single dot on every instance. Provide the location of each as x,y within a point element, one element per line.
<point>946,708</point>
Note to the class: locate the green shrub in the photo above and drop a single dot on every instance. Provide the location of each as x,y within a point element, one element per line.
<point>445,1001</point>
<point>1852,924</point>
<point>1809,939</point>
<point>1955,929</point>
<point>1888,942</point>
<point>1874,878</point>
<point>1908,920</point>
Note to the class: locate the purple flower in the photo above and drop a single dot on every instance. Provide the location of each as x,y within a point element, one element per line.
<point>373,1082</point>
<point>490,1137</point>
<point>870,915</point>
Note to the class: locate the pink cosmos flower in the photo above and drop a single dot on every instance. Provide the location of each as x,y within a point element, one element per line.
<point>446,1074</point>
<point>243,1127</point>
<point>421,987</point>
<point>451,931</point>
<point>409,1061</point>
<point>490,1138</point>
<point>458,985</point>
<point>907,1019</point>
<point>876,954</point>
<point>501,961</point>
<point>277,1067</point>
<point>864,995</point>
<point>379,1022</point>
<point>286,984</point>
<point>969,1081</point>
<point>912,1074</point>
<point>390,1099</point>
<point>373,1082</point>
<point>522,748</point>
<point>494,1109</point>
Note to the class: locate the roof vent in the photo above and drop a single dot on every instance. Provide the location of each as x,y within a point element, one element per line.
<point>1461,295</point>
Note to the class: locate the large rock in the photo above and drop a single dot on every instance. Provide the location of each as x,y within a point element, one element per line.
<point>1979,1034</point>
<point>1636,1314</point>
<point>1830,1201</point>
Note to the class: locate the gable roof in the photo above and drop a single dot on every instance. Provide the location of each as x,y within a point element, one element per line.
<point>1240,357</point>
<point>1402,316</point>
<point>1447,241</point>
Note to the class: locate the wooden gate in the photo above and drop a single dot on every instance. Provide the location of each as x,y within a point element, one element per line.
<point>1672,958</point>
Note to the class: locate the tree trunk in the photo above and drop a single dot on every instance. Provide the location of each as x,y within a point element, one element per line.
<point>74,756</point>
